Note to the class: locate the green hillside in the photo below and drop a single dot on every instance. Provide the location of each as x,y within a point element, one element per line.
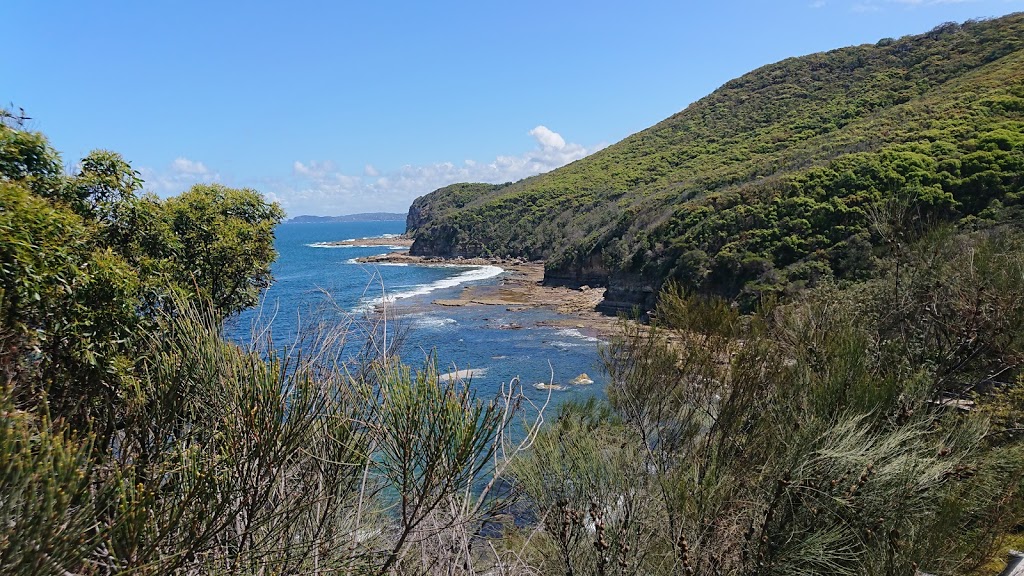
<point>801,170</point>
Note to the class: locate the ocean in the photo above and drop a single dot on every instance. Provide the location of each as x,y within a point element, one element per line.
<point>318,285</point>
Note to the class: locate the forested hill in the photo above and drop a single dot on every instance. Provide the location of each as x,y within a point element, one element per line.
<point>808,168</point>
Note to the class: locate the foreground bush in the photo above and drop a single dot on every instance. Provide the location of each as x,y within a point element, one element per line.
<point>828,436</point>
<point>228,461</point>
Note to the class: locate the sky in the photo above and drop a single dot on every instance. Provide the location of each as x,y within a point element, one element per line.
<point>344,107</point>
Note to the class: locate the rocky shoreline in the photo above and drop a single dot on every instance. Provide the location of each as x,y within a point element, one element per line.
<point>521,287</point>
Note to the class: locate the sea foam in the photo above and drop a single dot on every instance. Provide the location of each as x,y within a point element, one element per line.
<point>574,333</point>
<point>432,322</point>
<point>475,273</point>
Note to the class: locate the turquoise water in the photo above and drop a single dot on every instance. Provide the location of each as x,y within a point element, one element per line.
<point>321,285</point>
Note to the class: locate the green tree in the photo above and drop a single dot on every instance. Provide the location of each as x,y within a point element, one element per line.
<point>104,180</point>
<point>69,308</point>
<point>27,157</point>
<point>86,264</point>
<point>226,243</point>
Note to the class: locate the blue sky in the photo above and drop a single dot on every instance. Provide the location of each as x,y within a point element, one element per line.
<point>344,107</point>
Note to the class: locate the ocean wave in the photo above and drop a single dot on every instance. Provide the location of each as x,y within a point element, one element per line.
<point>566,346</point>
<point>574,333</point>
<point>474,274</point>
<point>432,322</point>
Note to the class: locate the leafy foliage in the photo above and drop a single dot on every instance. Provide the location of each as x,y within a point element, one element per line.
<point>226,243</point>
<point>86,264</point>
<point>68,306</point>
<point>821,435</point>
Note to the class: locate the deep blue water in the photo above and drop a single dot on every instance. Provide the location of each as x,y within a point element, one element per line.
<point>316,284</point>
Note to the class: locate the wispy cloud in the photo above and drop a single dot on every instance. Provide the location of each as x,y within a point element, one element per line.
<point>186,166</point>
<point>177,176</point>
<point>817,4</point>
<point>317,187</point>
<point>313,169</point>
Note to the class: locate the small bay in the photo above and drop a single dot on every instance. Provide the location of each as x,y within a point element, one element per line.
<point>316,284</point>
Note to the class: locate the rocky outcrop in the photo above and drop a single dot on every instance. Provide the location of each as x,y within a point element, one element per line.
<point>627,294</point>
<point>591,272</point>
<point>444,241</point>
<point>437,241</point>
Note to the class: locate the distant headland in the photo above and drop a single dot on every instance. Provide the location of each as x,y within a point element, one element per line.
<point>364,217</point>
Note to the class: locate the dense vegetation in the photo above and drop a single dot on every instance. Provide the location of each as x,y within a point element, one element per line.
<point>869,422</point>
<point>823,435</point>
<point>775,180</point>
<point>827,435</point>
<point>88,264</point>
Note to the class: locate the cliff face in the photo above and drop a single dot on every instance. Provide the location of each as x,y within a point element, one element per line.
<point>591,272</point>
<point>440,241</point>
<point>628,293</point>
<point>774,181</point>
<point>418,215</point>
<point>624,292</point>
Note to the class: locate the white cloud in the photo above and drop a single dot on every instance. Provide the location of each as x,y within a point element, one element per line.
<point>318,188</point>
<point>177,177</point>
<point>817,4</point>
<point>313,169</point>
<point>186,166</point>
<point>547,138</point>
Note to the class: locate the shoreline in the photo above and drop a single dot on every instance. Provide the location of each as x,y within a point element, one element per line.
<point>519,287</point>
